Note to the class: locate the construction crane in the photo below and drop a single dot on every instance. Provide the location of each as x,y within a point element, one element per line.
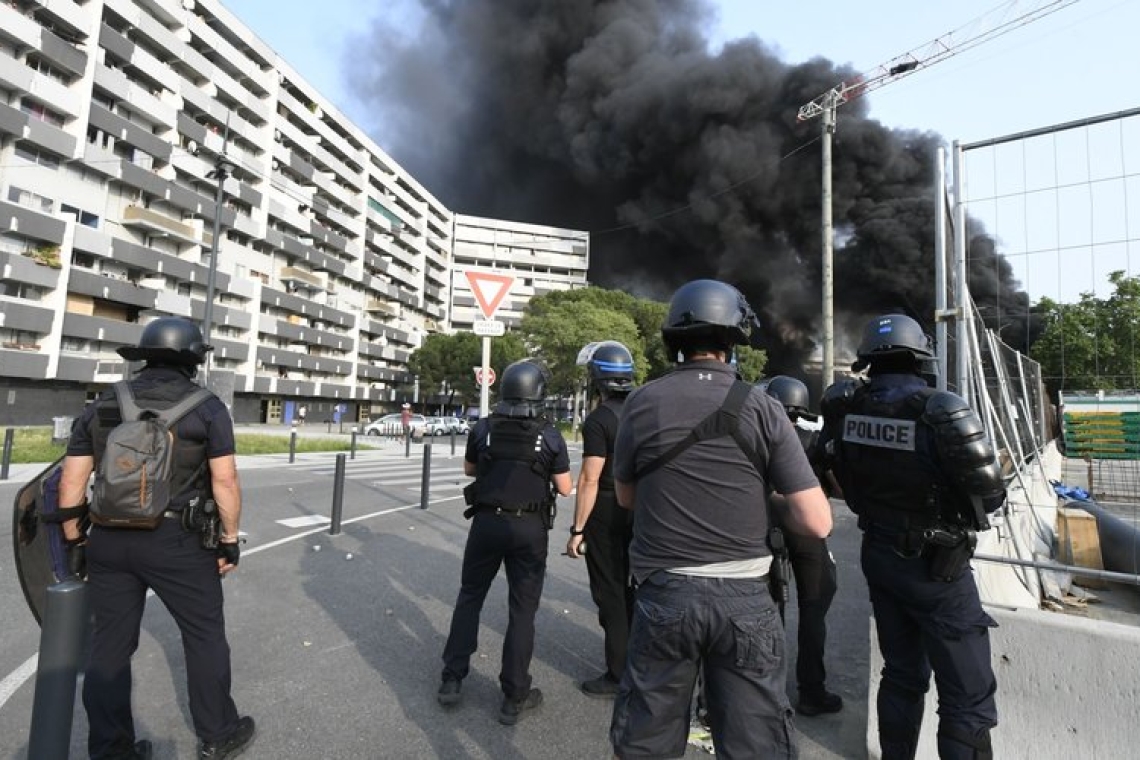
<point>990,25</point>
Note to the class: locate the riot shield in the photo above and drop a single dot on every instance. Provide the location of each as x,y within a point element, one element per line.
<point>41,558</point>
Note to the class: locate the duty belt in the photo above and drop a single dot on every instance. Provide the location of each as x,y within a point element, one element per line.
<point>906,543</point>
<point>519,512</point>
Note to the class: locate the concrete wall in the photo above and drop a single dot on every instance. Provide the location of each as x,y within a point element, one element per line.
<point>1068,687</point>
<point>32,402</point>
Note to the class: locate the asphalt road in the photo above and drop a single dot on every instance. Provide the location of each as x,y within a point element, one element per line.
<point>336,639</point>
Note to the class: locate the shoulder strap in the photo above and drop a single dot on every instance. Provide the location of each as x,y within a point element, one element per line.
<point>130,410</point>
<point>724,421</point>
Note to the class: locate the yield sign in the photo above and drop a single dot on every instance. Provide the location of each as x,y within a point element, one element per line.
<point>489,289</point>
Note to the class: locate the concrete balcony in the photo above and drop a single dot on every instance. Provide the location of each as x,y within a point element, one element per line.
<point>26,316</point>
<point>24,363</point>
<point>159,224</point>
<point>101,329</point>
<point>18,268</point>
<point>376,306</point>
<point>295,276</point>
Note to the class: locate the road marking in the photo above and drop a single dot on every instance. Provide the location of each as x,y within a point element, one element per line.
<point>303,521</point>
<point>17,677</point>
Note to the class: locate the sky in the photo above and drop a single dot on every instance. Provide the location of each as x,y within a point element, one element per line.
<point>1080,61</point>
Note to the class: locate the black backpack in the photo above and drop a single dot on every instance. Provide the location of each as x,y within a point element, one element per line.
<point>133,479</point>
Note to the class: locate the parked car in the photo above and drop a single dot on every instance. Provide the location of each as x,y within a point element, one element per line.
<point>457,425</point>
<point>436,426</point>
<point>391,424</point>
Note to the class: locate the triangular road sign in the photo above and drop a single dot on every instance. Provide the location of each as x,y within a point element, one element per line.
<point>489,289</point>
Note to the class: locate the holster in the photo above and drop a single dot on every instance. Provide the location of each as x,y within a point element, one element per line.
<point>948,552</point>
<point>549,511</point>
<point>780,573</point>
<point>201,517</point>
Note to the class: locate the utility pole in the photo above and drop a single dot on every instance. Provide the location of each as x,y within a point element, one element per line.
<point>827,274</point>
<point>223,168</point>
<point>988,26</point>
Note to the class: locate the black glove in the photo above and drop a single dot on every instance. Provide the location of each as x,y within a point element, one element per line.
<point>231,553</point>
<point>77,556</point>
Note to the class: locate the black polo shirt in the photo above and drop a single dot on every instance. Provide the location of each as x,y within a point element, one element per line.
<point>710,503</point>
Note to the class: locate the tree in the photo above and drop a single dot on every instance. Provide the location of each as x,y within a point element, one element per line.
<point>450,358</point>
<point>558,331</point>
<point>1092,344</point>
<point>750,363</point>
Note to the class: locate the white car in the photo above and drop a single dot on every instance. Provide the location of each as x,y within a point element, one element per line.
<point>437,426</point>
<point>392,424</point>
<point>456,425</point>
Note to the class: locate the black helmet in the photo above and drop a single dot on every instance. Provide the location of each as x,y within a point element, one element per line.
<point>791,393</point>
<point>610,366</point>
<point>169,340</point>
<point>524,389</point>
<point>707,314</point>
<point>891,335</point>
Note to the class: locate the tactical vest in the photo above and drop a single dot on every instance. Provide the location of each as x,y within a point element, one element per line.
<point>884,461</point>
<point>190,476</point>
<point>510,473</point>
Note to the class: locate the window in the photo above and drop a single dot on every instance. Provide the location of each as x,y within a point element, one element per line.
<point>30,199</point>
<point>41,112</point>
<point>21,290</point>
<point>75,345</point>
<point>34,155</point>
<point>86,218</point>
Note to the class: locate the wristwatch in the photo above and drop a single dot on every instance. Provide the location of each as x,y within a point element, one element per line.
<point>574,532</point>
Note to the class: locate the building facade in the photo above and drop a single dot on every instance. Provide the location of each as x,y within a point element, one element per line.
<point>117,120</point>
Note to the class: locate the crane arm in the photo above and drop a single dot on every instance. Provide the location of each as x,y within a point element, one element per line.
<point>994,23</point>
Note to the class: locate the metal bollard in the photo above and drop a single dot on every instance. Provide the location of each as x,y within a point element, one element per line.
<point>6,459</point>
<point>338,496</point>
<point>453,442</point>
<point>61,646</point>
<point>407,443</point>
<point>425,479</point>
<point>292,446</point>
<point>352,445</point>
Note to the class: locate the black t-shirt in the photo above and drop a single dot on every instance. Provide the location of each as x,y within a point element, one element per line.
<point>599,432</point>
<point>709,504</point>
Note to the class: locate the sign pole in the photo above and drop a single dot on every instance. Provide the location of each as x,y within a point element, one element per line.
<point>484,386</point>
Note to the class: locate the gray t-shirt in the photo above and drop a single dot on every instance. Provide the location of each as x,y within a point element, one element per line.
<point>710,503</point>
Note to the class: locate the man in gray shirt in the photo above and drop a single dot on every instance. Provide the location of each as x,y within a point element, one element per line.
<point>696,453</point>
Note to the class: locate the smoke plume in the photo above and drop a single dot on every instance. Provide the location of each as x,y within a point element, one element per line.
<point>615,116</point>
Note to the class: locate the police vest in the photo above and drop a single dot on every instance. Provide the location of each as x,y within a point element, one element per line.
<point>190,475</point>
<point>884,463</point>
<point>510,472</point>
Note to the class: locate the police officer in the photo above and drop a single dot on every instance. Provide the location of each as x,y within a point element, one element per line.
<point>916,467</point>
<point>121,564</point>
<point>599,522</point>
<point>696,453</point>
<point>516,456</point>
<point>814,570</point>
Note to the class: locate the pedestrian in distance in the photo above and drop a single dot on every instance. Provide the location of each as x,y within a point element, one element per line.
<point>813,567</point>
<point>915,465</point>
<point>192,544</point>
<point>697,453</point>
<point>301,413</point>
<point>520,464</point>
<point>599,523</point>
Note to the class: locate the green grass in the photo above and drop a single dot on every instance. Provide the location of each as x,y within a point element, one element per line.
<point>33,444</point>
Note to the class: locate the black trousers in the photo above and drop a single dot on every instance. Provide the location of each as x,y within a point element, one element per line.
<point>927,626</point>
<point>607,535</point>
<point>815,588</point>
<point>122,564</point>
<point>519,543</point>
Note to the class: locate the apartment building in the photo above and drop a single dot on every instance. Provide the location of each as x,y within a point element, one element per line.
<point>118,119</point>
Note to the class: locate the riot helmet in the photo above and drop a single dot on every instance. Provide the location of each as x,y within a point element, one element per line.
<point>523,389</point>
<point>169,340</point>
<point>892,335</point>
<point>707,314</point>
<point>791,393</point>
<point>610,367</point>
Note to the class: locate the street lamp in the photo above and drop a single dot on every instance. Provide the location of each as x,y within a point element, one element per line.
<point>223,168</point>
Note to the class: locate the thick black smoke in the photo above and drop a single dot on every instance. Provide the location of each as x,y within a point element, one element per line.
<point>614,116</point>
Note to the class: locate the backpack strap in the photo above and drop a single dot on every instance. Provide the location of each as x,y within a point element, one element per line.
<point>724,421</point>
<point>131,411</point>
